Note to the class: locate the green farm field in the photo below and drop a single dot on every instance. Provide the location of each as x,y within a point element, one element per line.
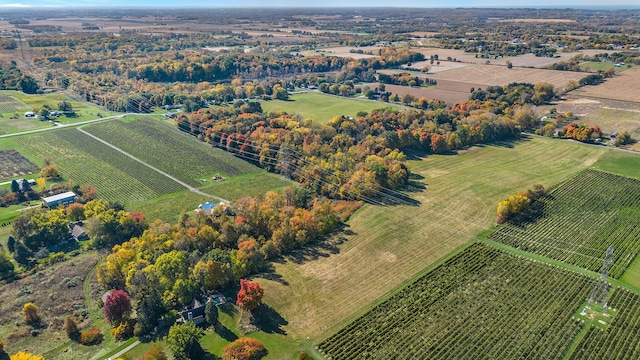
<point>458,203</point>
<point>483,303</point>
<point>321,107</point>
<point>170,150</point>
<point>12,102</point>
<point>84,160</point>
<point>168,208</point>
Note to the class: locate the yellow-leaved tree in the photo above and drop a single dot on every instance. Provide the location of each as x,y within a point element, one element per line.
<point>26,356</point>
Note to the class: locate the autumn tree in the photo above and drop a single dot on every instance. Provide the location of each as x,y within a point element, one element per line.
<point>30,312</point>
<point>20,355</point>
<point>244,349</point>
<point>183,340</point>
<point>42,183</point>
<point>2,347</point>
<point>50,172</point>
<point>70,326</point>
<point>250,295</point>
<point>117,307</point>
<point>155,353</point>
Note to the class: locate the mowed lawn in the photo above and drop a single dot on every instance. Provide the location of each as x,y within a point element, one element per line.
<point>12,102</point>
<point>322,289</point>
<point>322,107</point>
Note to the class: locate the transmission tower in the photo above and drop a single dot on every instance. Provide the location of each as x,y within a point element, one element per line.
<point>601,288</point>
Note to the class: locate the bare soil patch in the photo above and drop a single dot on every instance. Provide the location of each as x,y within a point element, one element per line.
<point>13,164</point>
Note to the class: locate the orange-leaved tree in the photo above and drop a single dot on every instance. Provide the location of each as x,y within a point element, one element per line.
<point>250,295</point>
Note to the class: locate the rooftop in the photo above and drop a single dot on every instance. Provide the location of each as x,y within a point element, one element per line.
<point>58,197</point>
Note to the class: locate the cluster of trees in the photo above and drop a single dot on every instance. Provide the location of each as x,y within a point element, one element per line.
<point>168,265</point>
<point>515,94</point>
<point>580,132</point>
<point>518,203</point>
<point>38,230</point>
<point>405,79</point>
<point>11,78</point>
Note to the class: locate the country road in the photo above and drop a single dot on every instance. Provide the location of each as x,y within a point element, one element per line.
<point>191,188</point>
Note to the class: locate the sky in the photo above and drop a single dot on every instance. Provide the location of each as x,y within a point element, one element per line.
<point>594,4</point>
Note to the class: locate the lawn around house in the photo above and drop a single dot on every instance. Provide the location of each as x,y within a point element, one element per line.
<point>13,105</point>
<point>321,107</point>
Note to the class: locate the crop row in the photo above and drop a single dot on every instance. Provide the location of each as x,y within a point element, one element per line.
<point>578,220</point>
<point>170,150</point>
<point>85,160</point>
<point>483,303</point>
<point>621,340</point>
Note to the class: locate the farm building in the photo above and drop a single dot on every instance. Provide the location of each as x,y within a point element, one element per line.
<point>60,199</point>
<point>77,231</point>
<point>206,208</point>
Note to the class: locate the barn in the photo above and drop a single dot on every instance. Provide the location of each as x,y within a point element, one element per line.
<point>60,199</point>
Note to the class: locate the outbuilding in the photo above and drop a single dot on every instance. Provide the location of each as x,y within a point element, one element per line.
<point>60,199</point>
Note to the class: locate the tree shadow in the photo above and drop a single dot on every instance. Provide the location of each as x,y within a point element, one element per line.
<point>318,249</point>
<point>225,333</point>
<point>274,277</point>
<point>228,309</point>
<point>269,321</point>
<point>200,354</point>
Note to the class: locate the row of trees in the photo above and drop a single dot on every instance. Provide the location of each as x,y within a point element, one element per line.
<point>517,203</point>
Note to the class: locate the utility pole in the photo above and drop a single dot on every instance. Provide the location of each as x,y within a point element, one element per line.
<point>601,287</point>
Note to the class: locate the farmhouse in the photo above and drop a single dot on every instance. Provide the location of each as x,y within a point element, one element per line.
<point>194,312</point>
<point>60,199</point>
<point>206,208</point>
<point>77,231</point>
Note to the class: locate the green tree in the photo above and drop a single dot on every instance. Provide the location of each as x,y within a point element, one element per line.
<point>6,266</point>
<point>11,244</point>
<point>65,106</point>
<point>211,313</point>
<point>183,341</point>
<point>28,85</point>
<point>15,187</point>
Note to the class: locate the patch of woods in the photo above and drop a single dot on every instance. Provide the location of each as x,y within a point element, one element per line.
<point>169,265</point>
<point>518,203</point>
<point>39,234</point>
<point>11,78</point>
<point>355,158</point>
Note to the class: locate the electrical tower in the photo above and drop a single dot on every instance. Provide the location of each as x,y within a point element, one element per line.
<point>601,288</point>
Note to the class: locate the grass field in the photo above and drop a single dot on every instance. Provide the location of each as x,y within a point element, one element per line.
<point>84,160</point>
<point>459,202</point>
<point>322,107</point>
<point>615,120</point>
<point>168,208</point>
<point>170,150</point>
<point>16,101</point>
<point>484,303</point>
<point>578,220</point>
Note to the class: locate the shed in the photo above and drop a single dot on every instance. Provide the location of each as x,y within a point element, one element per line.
<point>60,199</point>
<point>78,232</point>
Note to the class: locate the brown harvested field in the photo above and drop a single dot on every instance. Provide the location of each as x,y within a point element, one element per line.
<point>625,87</point>
<point>448,91</point>
<point>435,68</point>
<point>538,20</point>
<point>486,75</point>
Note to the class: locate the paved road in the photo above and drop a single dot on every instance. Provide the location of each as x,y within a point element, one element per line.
<point>125,350</point>
<point>191,188</point>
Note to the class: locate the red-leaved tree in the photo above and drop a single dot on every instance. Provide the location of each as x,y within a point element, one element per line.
<point>250,295</point>
<point>117,306</point>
